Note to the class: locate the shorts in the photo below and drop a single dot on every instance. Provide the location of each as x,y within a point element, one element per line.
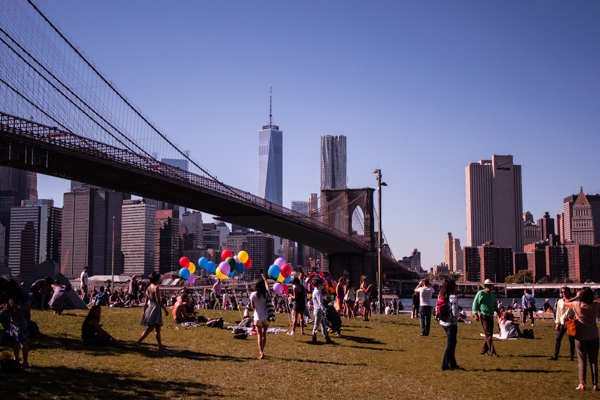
<point>264,323</point>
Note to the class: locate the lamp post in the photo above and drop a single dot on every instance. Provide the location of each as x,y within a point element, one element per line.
<point>379,244</point>
<point>113,254</point>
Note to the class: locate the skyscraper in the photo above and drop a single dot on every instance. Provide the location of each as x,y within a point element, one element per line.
<point>34,236</point>
<point>494,203</point>
<point>167,248</point>
<point>270,161</point>
<point>333,162</point>
<point>137,238</point>
<point>87,230</point>
<point>582,218</point>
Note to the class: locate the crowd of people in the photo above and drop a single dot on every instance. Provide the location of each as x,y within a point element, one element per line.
<point>575,316</point>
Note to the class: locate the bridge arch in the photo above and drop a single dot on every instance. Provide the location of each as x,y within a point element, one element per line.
<point>349,201</point>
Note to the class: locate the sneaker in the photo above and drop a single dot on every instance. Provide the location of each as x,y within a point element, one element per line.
<point>553,358</point>
<point>291,333</point>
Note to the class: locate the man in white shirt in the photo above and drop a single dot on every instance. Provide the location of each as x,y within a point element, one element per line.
<point>425,293</point>
<point>84,283</point>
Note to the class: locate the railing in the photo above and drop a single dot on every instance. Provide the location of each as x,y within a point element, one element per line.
<point>127,158</point>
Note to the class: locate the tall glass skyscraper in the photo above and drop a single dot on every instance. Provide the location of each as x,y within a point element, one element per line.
<point>270,162</point>
<point>333,162</point>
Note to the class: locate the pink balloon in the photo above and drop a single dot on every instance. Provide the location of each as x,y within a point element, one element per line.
<point>237,260</point>
<point>280,262</point>
<point>278,288</point>
<point>192,279</point>
<point>225,268</point>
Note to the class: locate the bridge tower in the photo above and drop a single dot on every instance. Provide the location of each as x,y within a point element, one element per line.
<point>338,209</point>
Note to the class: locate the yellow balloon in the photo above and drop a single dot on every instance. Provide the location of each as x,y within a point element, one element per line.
<point>243,257</point>
<point>220,274</point>
<point>192,268</point>
<point>280,279</point>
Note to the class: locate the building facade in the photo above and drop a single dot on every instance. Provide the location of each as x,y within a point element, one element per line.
<point>167,248</point>
<point>35,230</point>
<point>137,238</point>
<point>261,252</point>
<point>494,203</point>
<point>91,224</point>
<point>333,162</point>
<point>192,220</point>
<point>581,218</point>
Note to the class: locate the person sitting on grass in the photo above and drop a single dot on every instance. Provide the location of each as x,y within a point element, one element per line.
<point>60,294</point>
<point>462,315</point>
<point>332,319</point>
<point>91,330</point>
<point>116,300</point>
<point>101,298</point>
<point>509,328</point>
<point>180,313</point>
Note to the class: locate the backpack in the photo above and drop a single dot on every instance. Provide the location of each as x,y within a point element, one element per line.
<point>443,309</point>
<point>530,303</point>
<point>528,334</point>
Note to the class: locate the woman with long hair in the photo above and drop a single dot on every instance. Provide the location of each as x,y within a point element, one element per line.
<point>91,330</point>
<point>299,297</point>
<point>350,299</point>
<point>586,338</point>
<point>152,316</point>
<point>339,295</point>
<point>366,288</point>
<point>258,302</point>
<point>449,321</point>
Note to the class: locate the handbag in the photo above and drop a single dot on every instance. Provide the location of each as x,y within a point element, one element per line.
<point>571,325</point>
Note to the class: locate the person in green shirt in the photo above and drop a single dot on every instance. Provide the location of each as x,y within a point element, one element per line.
<point>484,306</point>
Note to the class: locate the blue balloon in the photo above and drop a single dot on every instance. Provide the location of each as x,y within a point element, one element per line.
<point>203,262</point>
<point>239,267</point>
<point>184,273</point>
<point>274,271</point>
<point>231,274</point>
<point>211,267</point>
<point>288,279</point>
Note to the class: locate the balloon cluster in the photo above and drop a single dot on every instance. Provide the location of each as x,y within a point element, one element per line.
<point>187,270</point>
<point>281,273</point>
<point>229,266</point>
<point>329,284</point>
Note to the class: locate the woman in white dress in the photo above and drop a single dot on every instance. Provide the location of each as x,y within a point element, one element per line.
<point>152,317</point>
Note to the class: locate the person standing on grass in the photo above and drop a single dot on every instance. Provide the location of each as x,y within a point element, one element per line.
<point>562,314</point>
<point>152,317</point>
<point>258,302</point>
<point>528,306</point>
<point>448,294</point>
<point>586,340</point>
<point>339,294</point>
<point>415,305</point>
<point>299,298</point>
<point>319,311</point>
<point>83,282</point>
<point>349,299</point>
<point>425,293</point>
<point>484,306</point>
<point>366,288</point>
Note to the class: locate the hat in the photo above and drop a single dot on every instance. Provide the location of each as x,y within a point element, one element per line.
<point>487,282</point>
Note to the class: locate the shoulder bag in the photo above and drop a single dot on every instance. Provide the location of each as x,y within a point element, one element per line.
<point>571,325</point>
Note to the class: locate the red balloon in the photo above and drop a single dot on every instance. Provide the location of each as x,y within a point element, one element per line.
<point>286,270</point>
<point>285,289</point>
<point>225,254</point>
<point>184,262</point>
<point>248,263</point>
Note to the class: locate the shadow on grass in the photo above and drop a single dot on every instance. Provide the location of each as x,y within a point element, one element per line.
<point>58,382</point>
<point>359,339</point>
<point>344,364</point>
<point>531,371</point>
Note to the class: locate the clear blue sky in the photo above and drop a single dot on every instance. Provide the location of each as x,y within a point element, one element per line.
<point>420,89</point>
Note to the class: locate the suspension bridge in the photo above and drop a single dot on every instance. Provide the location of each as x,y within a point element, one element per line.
<point>60,116</point>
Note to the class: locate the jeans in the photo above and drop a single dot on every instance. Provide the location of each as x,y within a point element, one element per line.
<point>425,312</point>
<point>559,335</point>
<point>449,359</point>
<point>530,312</point>
<point>319,321</point>
<point>587,350</point>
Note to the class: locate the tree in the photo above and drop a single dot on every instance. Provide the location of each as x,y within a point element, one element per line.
<point>523,276</point>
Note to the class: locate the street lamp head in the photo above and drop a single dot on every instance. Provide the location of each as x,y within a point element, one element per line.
<point>383,184</point>
<point>375,171</point>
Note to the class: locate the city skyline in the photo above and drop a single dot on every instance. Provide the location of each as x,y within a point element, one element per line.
<point>420,90</point>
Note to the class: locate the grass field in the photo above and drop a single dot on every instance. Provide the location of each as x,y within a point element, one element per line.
<point>383,358</point>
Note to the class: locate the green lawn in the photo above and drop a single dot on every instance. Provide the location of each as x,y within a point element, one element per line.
<point>383,358</point>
